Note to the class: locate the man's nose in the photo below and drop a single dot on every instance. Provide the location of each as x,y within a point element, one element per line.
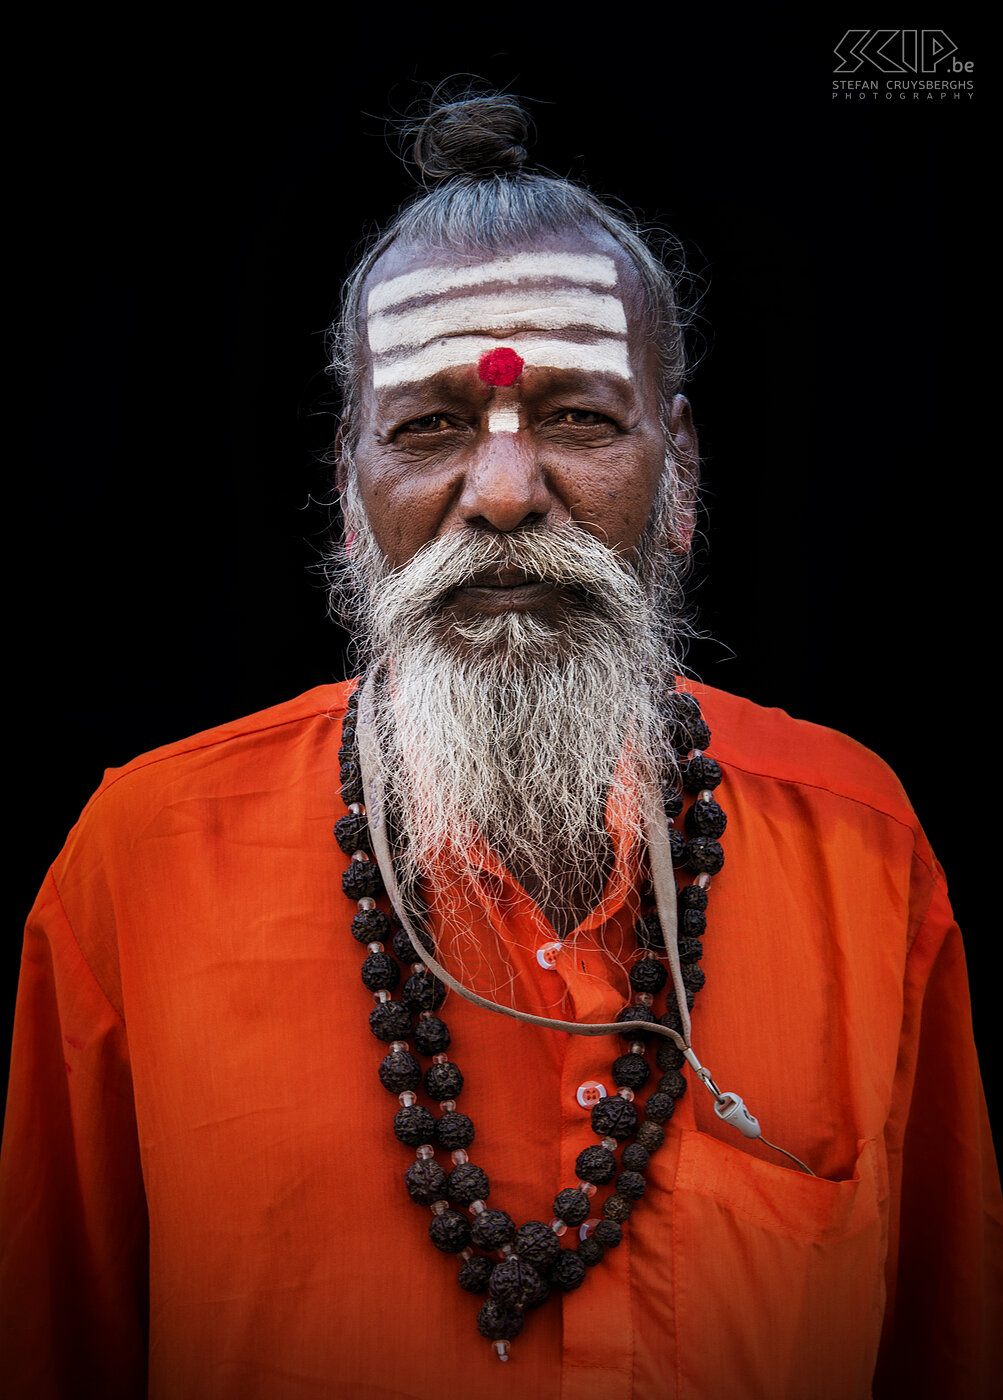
<point>505,485</point>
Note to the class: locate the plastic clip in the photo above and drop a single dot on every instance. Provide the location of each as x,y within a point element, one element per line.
<point>728,1107</point>
<point>732,1110</point>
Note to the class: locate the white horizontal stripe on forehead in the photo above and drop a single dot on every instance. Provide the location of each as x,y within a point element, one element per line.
<point>606,356</point>
<point>532,308</point>
<point>503,420</point>
<point>572,267</point>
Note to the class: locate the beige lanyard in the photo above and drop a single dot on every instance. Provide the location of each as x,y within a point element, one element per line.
<point>728,1107</point>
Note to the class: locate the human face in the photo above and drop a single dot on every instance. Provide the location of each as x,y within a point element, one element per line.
<point>506,391</point>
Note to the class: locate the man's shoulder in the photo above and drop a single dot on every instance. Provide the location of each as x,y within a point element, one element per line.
<point>215,756</point>
<point>765,741</point>
<point>172,809</point>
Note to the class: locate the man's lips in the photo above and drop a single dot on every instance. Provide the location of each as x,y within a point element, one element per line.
<point>512,577</point>
<point>502,590</point>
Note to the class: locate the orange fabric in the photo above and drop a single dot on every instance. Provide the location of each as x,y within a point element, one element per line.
<point>200,1179</point>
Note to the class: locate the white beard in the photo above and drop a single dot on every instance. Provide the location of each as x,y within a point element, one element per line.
<point>515,727</point>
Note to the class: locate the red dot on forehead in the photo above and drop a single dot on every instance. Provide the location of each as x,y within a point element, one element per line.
<point>501,366</point>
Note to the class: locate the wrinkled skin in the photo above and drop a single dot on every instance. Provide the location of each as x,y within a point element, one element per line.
<point>589,446</point>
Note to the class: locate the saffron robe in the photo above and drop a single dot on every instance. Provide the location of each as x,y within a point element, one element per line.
<point>202,1195</point>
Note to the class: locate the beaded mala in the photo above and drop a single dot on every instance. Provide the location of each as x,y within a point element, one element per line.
<point>529,1261</point>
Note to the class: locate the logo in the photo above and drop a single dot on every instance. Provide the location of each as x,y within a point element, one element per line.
<point>893,51</point>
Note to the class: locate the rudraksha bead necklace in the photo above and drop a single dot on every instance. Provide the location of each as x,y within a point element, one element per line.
<point>529,1260</point>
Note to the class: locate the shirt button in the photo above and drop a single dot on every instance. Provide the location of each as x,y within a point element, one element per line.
<point>590,1093</point>
<point>547,955</point>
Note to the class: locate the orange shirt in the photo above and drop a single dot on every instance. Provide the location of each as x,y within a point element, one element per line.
<point>201,1190</point>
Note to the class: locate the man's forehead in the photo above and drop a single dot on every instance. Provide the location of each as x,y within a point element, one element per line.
<point>565,301</point>
<point>448,271</point>
<point>528,268</point>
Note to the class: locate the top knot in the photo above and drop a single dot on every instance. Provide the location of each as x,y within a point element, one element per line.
<point>478,136</point>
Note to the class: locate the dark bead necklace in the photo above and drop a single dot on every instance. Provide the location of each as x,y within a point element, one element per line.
<point>529,1260</point>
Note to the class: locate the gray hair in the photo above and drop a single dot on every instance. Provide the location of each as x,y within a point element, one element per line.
<point>481,199</point>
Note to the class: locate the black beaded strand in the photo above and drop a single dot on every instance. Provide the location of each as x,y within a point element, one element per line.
<point>532,1259</point>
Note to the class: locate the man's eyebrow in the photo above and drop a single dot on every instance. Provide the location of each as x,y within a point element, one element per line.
<point>414,398</point>
<point>402,398</point>
<point>566,383</point>
<point>591,268</point>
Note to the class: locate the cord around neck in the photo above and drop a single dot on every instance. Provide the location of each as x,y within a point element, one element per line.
<point>659,857</point>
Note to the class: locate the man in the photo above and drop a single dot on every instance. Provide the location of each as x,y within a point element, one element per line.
<point>215,1125</point>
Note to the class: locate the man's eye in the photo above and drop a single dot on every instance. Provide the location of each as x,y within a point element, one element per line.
<point>431,423</point>
<point>585,417</point>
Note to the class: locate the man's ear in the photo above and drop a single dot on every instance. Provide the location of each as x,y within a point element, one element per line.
<point>686,455</point>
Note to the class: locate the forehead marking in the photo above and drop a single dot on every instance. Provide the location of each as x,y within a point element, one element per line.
<point>501,366</point>
<point>419,328</point>
<point>514,267</point>
<point>608,356</point>
<point>503,420</point>
<point>533,308</point>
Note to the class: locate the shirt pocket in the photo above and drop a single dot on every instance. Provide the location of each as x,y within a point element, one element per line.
<point>778,1276</point>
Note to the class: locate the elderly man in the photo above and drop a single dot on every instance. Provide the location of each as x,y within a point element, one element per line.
<point>650,1000</point>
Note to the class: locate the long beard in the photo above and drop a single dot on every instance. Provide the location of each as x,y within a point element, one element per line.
<point>516,728</point>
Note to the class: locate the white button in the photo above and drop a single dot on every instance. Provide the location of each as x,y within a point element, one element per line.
<point>547,955</point>
<point>590,1093</point>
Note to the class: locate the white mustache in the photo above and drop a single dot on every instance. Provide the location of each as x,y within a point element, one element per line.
<point>565,555</point>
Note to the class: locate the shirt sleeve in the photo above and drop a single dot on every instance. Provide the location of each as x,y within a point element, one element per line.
<point>942,1333</point>
<point>73,1225</point>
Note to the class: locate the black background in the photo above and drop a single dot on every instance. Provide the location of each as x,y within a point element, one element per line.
<point>191,201</point>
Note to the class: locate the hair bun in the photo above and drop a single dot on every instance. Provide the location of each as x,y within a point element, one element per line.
<point>477,136</point>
